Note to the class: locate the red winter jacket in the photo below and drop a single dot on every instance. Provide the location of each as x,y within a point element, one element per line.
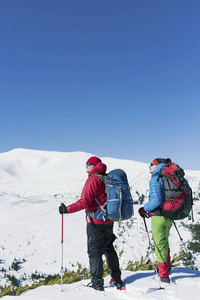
<point>94,188</point>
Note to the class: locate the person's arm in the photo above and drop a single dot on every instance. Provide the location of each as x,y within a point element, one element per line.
<point>155,194</point>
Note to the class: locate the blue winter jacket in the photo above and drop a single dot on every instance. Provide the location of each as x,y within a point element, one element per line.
<point>156,190</point>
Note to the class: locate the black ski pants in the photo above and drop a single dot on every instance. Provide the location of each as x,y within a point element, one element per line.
<point>100,241</point>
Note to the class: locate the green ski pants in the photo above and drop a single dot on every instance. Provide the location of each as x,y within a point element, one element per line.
<point>160,227</point>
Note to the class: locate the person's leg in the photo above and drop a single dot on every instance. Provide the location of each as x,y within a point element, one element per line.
<point>110,253</point>
<point>160,230</point>
<point>95,242</point>
<point>168,227</point>
<point>112,257</point>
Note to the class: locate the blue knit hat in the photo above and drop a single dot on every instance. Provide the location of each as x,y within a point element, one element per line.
<point>158,161</point>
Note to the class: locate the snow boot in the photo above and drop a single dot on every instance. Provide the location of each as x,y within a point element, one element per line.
<point>165,279</point>
<point>118,282</point>
<point>96,284</point>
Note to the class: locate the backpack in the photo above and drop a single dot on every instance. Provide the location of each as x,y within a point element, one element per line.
<point>119,204</point>
<point>178,194</point>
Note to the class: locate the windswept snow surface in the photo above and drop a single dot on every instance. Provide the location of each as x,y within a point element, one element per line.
<point>32,186</point>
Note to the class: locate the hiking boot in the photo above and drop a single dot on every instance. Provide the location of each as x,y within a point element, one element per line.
<point>119,283</point>
<point>96,284</point>
<point>165,279</point>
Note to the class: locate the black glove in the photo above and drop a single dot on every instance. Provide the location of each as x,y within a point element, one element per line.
<point>63,209</point>
<point>143,213</point>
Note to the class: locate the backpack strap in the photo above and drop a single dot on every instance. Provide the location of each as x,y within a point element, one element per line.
<point>100,176</point>
<point>99,214</point>
<point>102,207</point>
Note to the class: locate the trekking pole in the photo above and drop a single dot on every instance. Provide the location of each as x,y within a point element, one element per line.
<point>152,252</point>
<point>62,270</point>
<point>185,249</point>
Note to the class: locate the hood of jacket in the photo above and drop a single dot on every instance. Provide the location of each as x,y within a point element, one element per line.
<point>157,169</point>
<point>100,168</point>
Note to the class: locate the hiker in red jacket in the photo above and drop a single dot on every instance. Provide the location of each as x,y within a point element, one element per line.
<point>100,235</point>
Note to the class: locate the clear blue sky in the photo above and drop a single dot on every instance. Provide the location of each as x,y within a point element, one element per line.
<point>116,78</point>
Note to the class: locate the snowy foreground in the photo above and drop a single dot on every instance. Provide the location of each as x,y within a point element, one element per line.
<point>139,285</point>
<point>32,186</point>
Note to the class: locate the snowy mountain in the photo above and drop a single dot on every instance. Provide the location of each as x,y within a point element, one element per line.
<point>32,186</point>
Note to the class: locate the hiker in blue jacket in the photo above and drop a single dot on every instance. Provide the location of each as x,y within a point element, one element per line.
<point>160,225</point>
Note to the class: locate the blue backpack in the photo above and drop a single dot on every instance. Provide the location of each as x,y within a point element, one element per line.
<point>119,204</point>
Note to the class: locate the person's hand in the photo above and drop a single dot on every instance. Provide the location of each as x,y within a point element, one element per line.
<point>143,213</point>
<point>63,209</point>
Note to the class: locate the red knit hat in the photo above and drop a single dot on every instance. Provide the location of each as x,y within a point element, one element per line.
<point>94,160</point>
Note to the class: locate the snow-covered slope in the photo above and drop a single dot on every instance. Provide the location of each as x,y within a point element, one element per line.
<point>139,285</point>
<point>34,183</point>
<point>40,173</point>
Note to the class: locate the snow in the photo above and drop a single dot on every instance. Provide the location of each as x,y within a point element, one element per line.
<point>32,186</point>
<point>139,285</point>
